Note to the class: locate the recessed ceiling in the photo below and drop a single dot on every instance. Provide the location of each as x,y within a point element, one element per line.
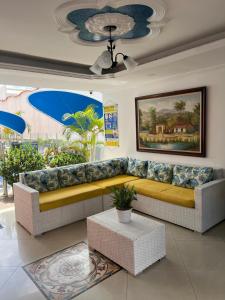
<point>29,27</point>
<point>182,63</point>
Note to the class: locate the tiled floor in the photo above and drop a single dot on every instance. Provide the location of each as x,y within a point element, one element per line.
<point>194,267</point>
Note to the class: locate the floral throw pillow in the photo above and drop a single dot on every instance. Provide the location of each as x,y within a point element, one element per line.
<point>191,177</point>
<point>72,175</point>
<point>137,167</point>
<point>99,170</point>
<point>119,165</point>
<point>43,180</point>
<point>160,172</point>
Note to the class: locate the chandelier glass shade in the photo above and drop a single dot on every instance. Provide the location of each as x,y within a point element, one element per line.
<point>129,63</point>
<point>108,60</point>
<point>104,61</point>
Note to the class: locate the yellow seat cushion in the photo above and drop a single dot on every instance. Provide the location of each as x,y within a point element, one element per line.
<point>164,192</point>
<point>68,195</point>
<point>117,181</point>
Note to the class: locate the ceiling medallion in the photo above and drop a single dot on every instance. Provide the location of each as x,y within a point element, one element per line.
<point>85,22</point>
<point>97,24</point>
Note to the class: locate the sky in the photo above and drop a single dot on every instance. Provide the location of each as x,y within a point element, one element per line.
<point>168,102</point>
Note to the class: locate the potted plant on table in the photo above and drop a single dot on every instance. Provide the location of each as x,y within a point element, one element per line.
<point>122,198</point>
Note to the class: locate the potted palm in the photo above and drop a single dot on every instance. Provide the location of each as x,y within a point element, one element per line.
<point>122,198</point>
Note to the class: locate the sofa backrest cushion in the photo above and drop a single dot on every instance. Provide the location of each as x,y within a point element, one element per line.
<point>72,175</point>
<point>99,170</point>
<point>119,165</point>
<point>137,167</point>
<point>42,180</point>
<point>162,172</point>
<point>218,173</point>
<point>190,177</point>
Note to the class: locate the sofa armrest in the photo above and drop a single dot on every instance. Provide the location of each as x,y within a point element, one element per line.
<point>210,201</point>
<point>26,206</point>
<point>24,187</point>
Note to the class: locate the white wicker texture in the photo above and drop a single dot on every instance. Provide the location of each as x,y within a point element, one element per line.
<point>36,222</point>
<point>209,207</point>
<point>134,246</point>
<point>179,215</point>
<point>107,201</point>
<point>210,204</point>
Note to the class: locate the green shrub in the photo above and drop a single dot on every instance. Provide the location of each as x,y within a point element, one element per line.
<point>65,158</point>
<point>18,160</point>
<point>122,197</point>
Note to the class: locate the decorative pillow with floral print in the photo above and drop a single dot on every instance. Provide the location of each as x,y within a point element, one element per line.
<point>191,177</point>
<point>42,180</point>
<point>162,172</point>
<point>72,175</point>
<point>137,167</point>
<point>119,165</point>
<point>99,170</point>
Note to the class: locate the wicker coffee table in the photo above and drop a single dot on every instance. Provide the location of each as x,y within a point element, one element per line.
<point>133,246</point>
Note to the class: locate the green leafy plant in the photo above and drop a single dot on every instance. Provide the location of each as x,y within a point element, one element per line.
<point>50,152</point>
<point>65,158</point>
<point>122,197</point>
<point>87,125</point>
<point>20,159</point>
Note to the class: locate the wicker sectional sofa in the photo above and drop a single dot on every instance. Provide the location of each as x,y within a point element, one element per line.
<point>193,197</point>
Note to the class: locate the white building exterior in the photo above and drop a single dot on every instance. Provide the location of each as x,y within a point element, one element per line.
<point>14,99</point>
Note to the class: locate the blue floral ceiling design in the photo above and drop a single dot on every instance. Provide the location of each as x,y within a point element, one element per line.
<point>137,13</point>
<point>84,21</point>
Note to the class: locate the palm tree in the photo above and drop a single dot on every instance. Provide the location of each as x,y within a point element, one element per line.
<point>88,126</point>
<point>180,106</point>
<point>28,126</point>
<point>152,120</point>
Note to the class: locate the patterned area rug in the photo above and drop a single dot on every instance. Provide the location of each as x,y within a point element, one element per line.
<point>70,272</point>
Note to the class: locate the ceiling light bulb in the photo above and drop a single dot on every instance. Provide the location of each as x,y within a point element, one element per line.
<point>129,63</point>
<point>96,69</point>
<point>104,60</point>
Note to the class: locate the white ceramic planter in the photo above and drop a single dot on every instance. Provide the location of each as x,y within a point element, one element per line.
<point>124,216</point>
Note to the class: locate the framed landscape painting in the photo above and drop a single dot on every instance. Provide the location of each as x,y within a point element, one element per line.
<point>172,123</point>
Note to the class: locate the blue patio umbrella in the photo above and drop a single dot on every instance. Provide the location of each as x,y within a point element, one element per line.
<point>12,121</point>
<point>58,103</point>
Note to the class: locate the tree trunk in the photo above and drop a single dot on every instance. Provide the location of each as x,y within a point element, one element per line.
<point>5,188</point>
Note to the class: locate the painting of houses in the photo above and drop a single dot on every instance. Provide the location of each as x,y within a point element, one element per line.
<point>172,123</point>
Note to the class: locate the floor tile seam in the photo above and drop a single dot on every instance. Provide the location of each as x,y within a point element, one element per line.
<point>207,242</point>
<point>126,290</point>
<point>187,273</point>
<point>11,266</point>
<point>184,239</point>
<point>15,239</point>
<point>178,253</point>
<point>8,267</point>
<point>16,268</point>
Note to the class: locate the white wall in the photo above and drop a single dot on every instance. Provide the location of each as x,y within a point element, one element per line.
<point>214,79</point>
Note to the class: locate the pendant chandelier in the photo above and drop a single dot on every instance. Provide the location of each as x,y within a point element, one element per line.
<point>108,59</point>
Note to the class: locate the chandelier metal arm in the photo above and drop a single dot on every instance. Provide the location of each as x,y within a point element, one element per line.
<point>120,53</point>
<point>111,47</point>
<point>108,60</point>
